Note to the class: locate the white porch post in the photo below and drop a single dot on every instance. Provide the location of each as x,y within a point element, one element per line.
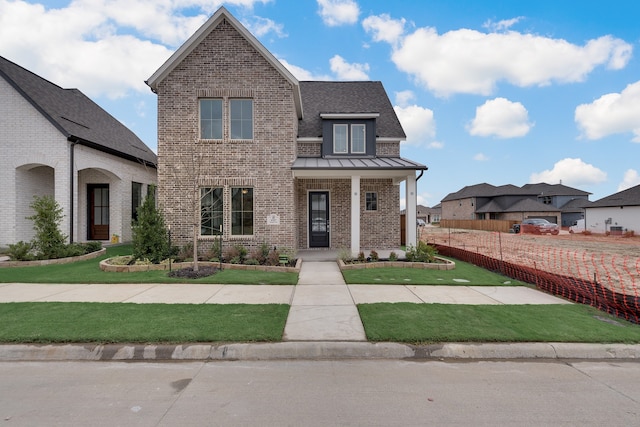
<point>355,215</point>
<point>411,204</point>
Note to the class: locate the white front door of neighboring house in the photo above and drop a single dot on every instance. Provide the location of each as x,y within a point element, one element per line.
<point>319,219</point>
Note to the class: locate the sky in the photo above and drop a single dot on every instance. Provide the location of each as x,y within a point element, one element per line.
<point>493,91</point>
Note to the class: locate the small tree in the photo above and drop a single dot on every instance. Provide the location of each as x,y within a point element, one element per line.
<point>49,242</point>
<point>149,232</point>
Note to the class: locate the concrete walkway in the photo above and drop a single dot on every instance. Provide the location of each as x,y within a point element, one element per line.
<point>322,308</point>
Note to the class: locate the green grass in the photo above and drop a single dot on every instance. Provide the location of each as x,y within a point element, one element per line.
<point>89,272</point>
<point>475,276</point>
<point>53,322</point>
<point>433,323</point>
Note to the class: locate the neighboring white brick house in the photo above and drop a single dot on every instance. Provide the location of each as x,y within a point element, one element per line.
<point>58,142</point>
<point>615,214</point>
<point>248,151</point>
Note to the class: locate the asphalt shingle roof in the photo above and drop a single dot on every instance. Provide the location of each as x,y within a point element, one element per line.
<point>76,116</point>
<point>321,97</point>
<point>628,197</point>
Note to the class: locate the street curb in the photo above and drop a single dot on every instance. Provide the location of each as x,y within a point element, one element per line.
<point>315,351</point>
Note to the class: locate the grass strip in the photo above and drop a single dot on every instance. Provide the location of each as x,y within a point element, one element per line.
<point>435,323</point>
<point>465,274</point>
<point>89,272</point>
<point>59,322</point>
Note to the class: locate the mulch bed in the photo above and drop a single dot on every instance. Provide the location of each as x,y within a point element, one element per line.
<point>189,273</point>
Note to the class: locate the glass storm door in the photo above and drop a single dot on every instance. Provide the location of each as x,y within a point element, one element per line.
<point>98,195</point>
<point>319,219</point>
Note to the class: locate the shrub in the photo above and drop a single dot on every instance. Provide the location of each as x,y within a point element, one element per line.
<point>21,251</point>
<point>49,242</point>
<point>393,256</point>
<point>92,247</point>
<point>273,259</point>
<point>422,253</point>
<point>236,254</point>
<point>345,255</point>
<point>373,255</point>
<point>185,252</point>
<point>260,253</point>
<point>252,261</point>
<point>628,233</point>
<point>150,239</point>
<point>361,257</point>
<point>213,254</point>
<point>74,249</point>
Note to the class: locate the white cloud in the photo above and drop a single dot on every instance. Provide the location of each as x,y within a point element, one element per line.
<point>480,157</point>
<point>502,118</point>
<point>505,24</point>
<point>103,48</point>
<point>259,27</point>
<point>338,12</point>
<point>384,28</point>
<point>418,123</point>
<point>572,172</point>
<point>436,145</point>
<point>345,71</point>
<point>611,113</point>
<point>301,73</point>
<point>631,179</point>
<point>404,98</point>
<point>473,62</point>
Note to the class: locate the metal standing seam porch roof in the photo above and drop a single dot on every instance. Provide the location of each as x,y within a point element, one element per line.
<point>346,166</point>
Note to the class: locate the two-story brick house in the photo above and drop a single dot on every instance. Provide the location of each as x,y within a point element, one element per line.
<point>247,151</point>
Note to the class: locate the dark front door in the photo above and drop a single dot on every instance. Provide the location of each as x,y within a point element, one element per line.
<point>319,219</point>
<point>98,211</point>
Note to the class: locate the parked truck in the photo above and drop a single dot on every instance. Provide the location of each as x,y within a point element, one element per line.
<point>577,227</point>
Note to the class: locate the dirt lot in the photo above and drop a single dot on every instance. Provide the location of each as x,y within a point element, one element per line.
<point>614,260</point>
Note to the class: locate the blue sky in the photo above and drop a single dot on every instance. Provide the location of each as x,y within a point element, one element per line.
<point>503,92</point>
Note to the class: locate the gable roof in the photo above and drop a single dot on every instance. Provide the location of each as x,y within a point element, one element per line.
<point>77,117</point>
<point>361,97</point>
<point>545,189</point>
<point>488,190</point>
<point>192,42</point>
<point>628,197</point>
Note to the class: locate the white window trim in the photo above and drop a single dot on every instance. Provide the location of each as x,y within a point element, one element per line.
<point>364,132</point>
<point>346,148</point>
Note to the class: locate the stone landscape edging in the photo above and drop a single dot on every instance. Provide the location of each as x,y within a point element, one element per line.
<point>54,261</point>
<point>105,266</point>
<point>443,264</point>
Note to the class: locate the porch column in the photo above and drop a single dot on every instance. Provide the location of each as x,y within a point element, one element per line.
<point>355,215</point>
<point>411,204</point>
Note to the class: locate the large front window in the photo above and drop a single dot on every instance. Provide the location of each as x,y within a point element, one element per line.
<point>211,119</point>
<point>241,118</point>
<point>211,214</point>
<point>242,211</point>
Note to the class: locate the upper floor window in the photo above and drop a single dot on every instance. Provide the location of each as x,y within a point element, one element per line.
<point>211,119</point>
<point>241,114</point>
<point>358,140</point>
<point>340,139</point>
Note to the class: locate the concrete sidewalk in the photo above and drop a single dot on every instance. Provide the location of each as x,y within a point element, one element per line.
<point>323,320</point>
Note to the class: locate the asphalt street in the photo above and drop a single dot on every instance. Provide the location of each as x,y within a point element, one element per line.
<point>320,393</point>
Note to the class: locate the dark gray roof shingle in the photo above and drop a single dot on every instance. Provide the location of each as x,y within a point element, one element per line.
<point>76,116</point>
<point>628,197</point>
<point>320,97</point>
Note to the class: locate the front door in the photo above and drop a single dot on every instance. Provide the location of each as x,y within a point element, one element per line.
<point>319,219</point>
<point>98,211</point>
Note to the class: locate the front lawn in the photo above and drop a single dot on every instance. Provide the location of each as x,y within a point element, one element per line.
<point>433,323</point>
<point>464,274</point>
<point>59,322</point>
<point>89,272</point>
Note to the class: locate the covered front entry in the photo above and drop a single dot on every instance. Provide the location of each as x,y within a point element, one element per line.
<point>98,211</point>
<point>319,219</point>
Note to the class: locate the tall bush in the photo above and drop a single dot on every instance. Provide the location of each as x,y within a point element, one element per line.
<point>49,242</point>
<point>150,238</point>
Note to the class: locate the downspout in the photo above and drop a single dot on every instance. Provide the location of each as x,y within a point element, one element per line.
<point>72,185</point>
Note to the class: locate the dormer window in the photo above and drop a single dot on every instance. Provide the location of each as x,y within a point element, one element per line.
<point>349,134</point>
